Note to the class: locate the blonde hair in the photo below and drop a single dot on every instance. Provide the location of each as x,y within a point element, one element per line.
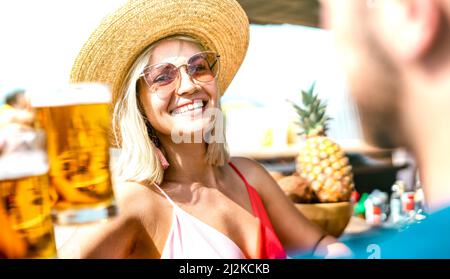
<point>138,161</point>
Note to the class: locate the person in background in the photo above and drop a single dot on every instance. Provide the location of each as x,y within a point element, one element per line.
<point>169,62</point>
<point>15,114</point>
<point>16,109</point>
<point>396,55</point>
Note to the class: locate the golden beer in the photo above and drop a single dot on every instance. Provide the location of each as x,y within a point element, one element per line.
<point>26,228</point>
<point>77,124</point>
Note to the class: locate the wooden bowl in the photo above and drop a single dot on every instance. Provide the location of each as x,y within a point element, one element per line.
<point>331,217</point>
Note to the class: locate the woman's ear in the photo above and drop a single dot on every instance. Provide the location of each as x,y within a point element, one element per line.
<point>138,99</point>
<point>138,87</point>
<point>408,28</point>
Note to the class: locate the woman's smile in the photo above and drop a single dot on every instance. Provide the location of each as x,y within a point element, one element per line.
<point>190,108</point>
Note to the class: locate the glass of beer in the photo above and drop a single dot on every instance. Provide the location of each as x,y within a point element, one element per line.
<point>77,124</point>
<point>26,228</point>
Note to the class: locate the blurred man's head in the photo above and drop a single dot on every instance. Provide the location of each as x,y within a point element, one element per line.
<point>387,47</point>
<point>17,99</point>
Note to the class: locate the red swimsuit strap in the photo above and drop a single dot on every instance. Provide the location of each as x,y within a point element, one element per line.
<point>270,245</point>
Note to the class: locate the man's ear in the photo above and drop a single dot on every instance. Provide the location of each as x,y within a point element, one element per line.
<point>407,28</point>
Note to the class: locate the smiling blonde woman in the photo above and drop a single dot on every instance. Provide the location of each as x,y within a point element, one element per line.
<point>168,63</point>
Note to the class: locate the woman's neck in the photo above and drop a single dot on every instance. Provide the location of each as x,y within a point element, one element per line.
<point>188,163</point>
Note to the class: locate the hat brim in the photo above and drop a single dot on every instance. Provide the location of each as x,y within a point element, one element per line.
<point>110,51</point>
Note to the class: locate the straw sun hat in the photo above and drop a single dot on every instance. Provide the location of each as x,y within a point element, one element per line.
<point>108,54</point>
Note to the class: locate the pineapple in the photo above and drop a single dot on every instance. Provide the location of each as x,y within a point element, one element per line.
<point>321,161</point>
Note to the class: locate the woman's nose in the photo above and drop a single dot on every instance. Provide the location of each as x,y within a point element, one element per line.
<point>186,83</point>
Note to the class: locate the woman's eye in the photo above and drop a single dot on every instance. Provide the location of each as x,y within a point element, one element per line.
<point>161,79</point>
<point>199,68</point>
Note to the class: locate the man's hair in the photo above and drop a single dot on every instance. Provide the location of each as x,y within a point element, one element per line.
<point>11,98</point>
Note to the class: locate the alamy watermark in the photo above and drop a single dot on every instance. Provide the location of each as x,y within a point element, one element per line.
<point>212,132</point>
<point>374,251</point>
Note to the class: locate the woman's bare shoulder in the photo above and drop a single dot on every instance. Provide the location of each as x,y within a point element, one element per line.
<point>245,164</point>
<point>248,166</point>
<point>135,198</point>
<point>253,171</point>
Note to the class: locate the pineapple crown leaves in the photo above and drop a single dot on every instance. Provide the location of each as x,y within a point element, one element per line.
<point>312,113</point>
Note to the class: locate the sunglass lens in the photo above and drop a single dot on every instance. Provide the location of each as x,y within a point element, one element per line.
<point>160,75</point>
<point>203,66</point>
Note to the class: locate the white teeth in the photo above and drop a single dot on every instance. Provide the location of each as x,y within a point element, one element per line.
<point>195,105</point>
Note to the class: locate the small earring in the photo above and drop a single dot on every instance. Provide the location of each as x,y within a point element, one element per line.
<point>162,159</point>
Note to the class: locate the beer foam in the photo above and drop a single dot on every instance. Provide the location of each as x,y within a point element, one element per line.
<point>23,164</point>
<point>71,94</point>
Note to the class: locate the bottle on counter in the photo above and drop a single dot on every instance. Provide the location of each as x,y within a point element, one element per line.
<point>419,200</point>
<point>395,204</point>
<point>407,206</point>
<point>376,208</point>
<point>359,209</point>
